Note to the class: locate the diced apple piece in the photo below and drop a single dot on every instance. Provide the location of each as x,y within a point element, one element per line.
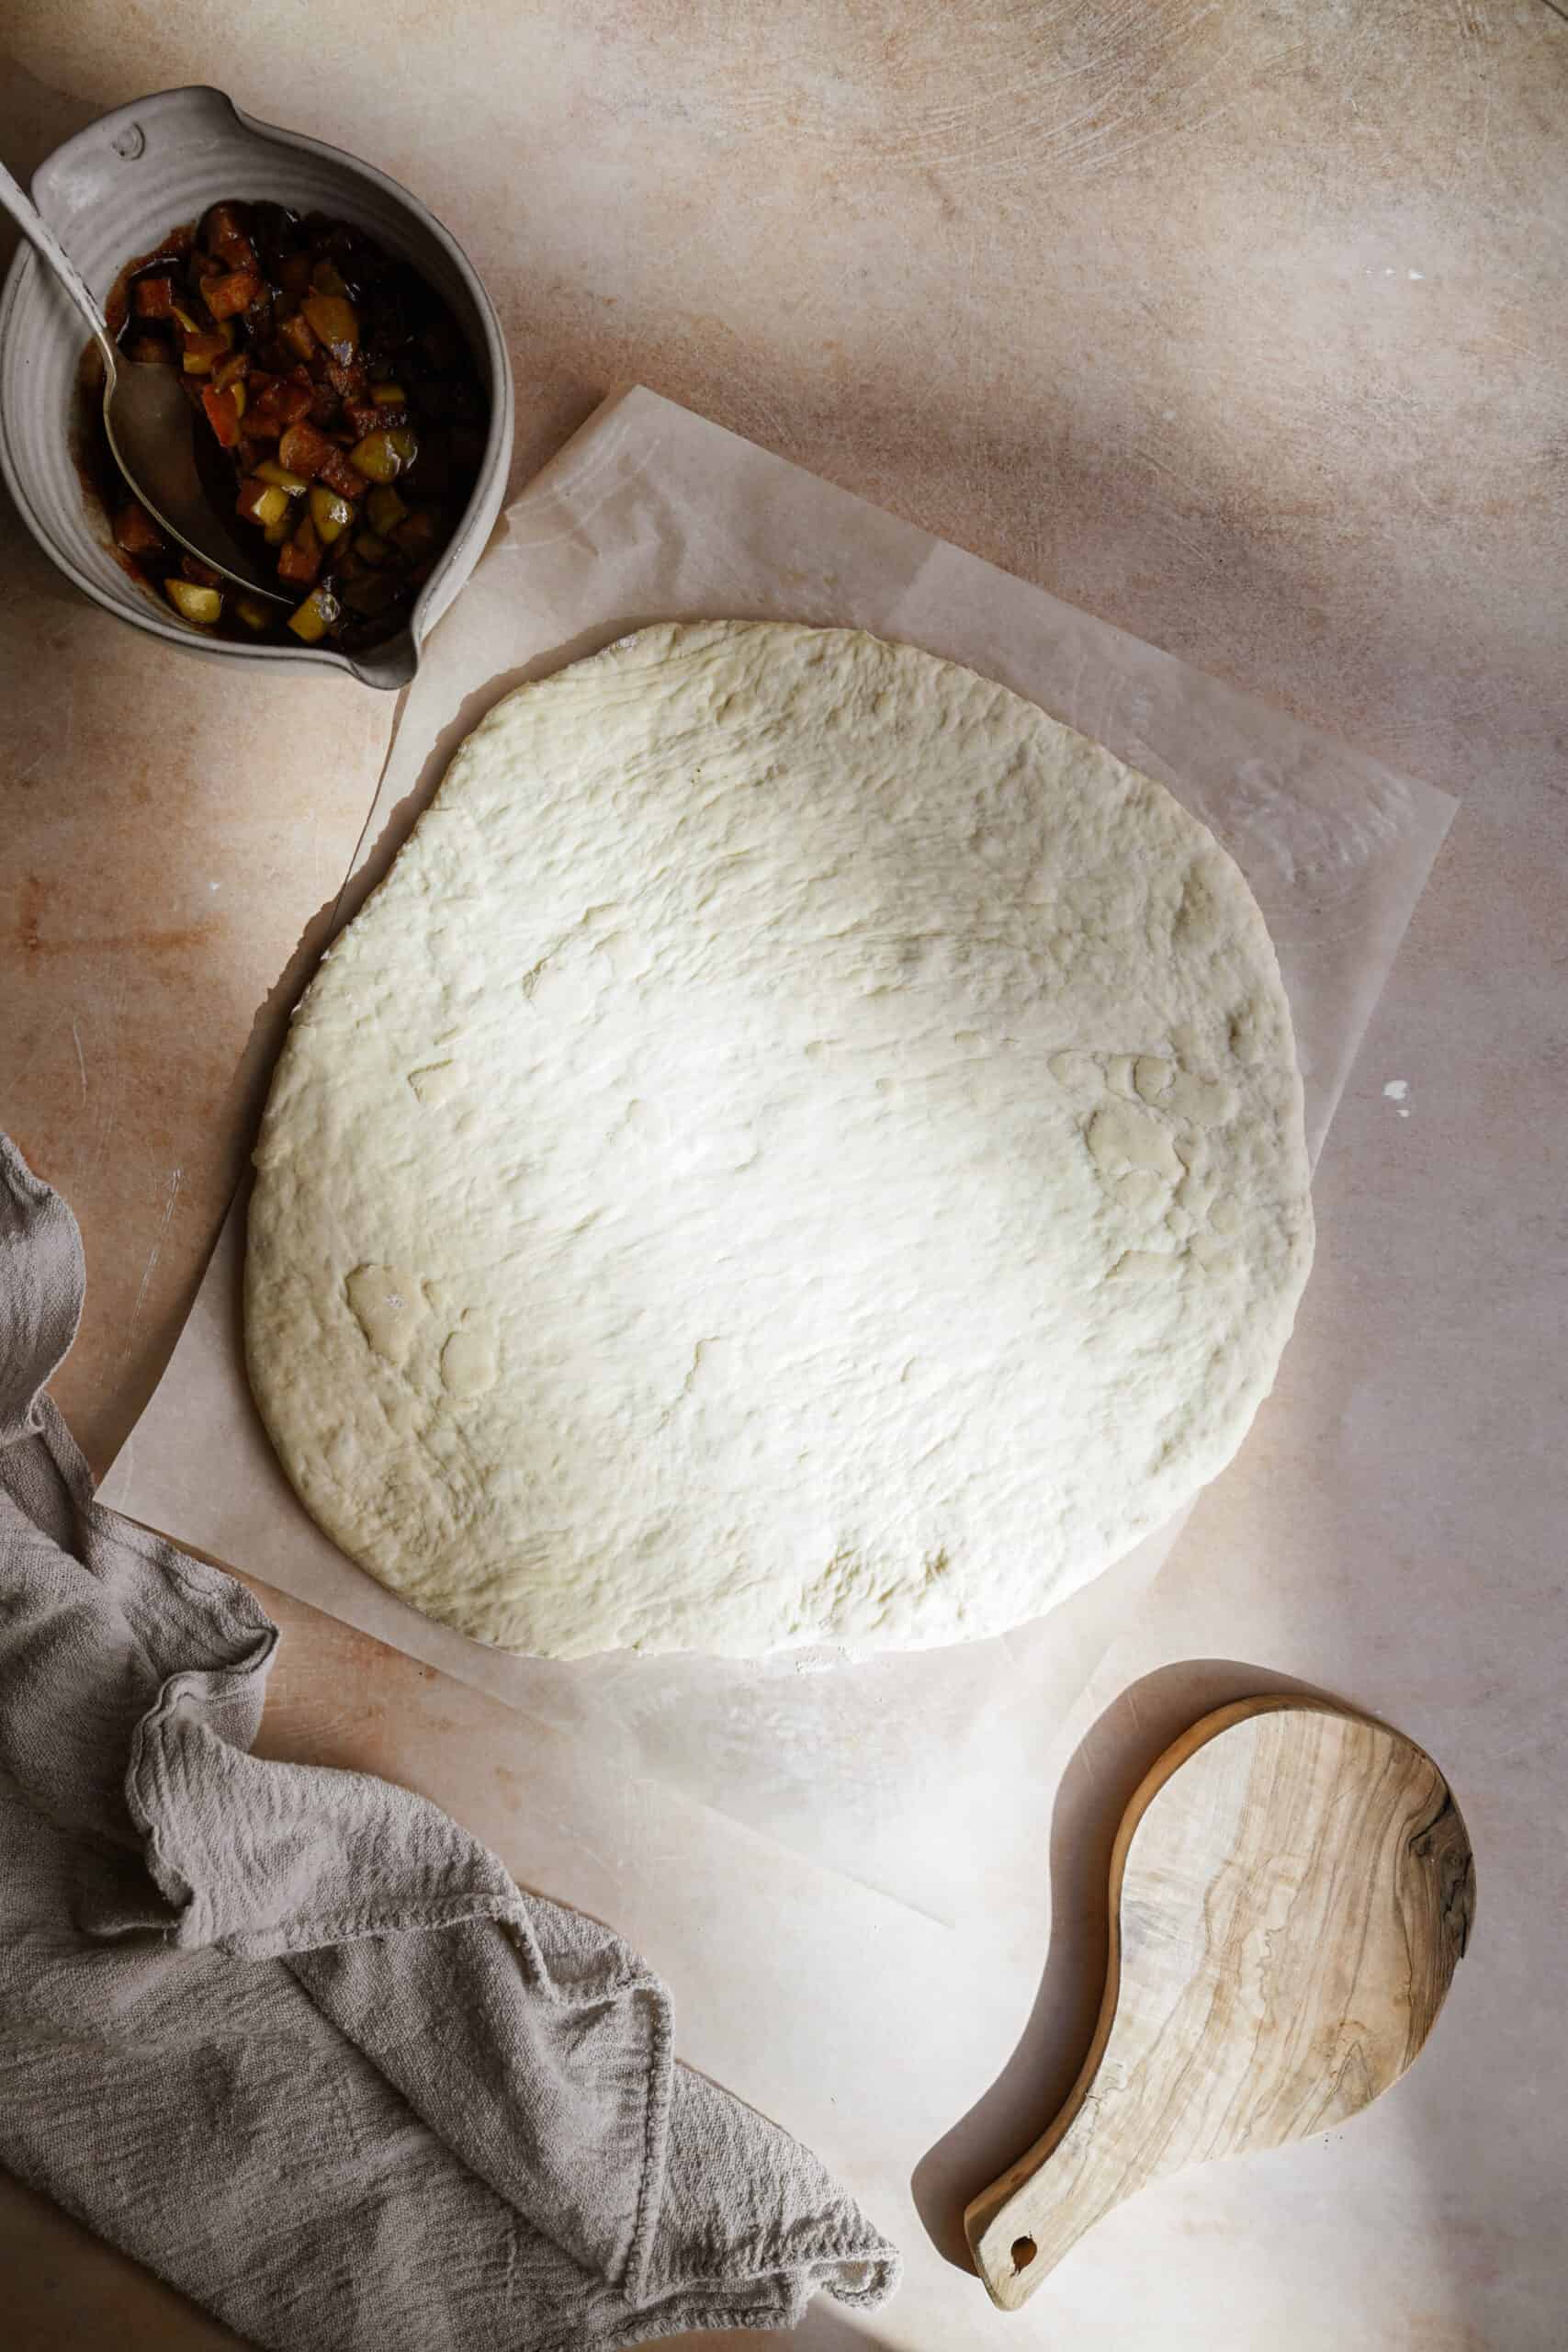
<point>201,351</point>
<point>254,612</point>
<point>375,457</point>
<point>294,331</point>
<point>330,513</point>
<point>202,605</point>
<point>277,532</point>
<point>315,616</point>
<point>335,322</point>
<point>385,508</point>
<point>295,484</point>
<point>383,456</point>
<point>261,502</point>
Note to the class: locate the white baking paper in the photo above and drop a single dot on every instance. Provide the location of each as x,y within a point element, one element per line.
<point>894,1771</point>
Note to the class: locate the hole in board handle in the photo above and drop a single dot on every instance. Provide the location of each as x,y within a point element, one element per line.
<point>1023,2253</point>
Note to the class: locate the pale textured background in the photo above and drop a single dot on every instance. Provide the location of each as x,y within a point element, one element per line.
<point>1246,327</point>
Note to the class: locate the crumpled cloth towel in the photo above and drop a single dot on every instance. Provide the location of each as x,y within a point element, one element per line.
<point>289,2036</point>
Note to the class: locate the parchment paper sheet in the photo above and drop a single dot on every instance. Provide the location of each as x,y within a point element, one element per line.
<point>893,1770</point>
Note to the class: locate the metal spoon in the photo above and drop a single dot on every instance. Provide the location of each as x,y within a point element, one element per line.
<point>149,422</point>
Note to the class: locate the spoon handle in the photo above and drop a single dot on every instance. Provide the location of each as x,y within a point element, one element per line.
<point>36,229</point>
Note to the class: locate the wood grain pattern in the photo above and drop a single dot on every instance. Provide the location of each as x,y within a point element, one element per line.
<point>1290,1890</point>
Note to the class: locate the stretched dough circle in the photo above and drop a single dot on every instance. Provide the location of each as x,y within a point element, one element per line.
<point>801,1147</point>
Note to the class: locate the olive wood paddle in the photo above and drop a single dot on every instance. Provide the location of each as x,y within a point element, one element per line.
<point>1291,1887</point>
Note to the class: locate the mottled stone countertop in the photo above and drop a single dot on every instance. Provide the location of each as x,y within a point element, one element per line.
<point>1244,326</point>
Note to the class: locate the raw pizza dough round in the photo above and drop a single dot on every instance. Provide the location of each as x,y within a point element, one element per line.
<point>801,1147</point>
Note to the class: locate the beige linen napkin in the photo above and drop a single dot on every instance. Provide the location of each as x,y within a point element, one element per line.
<point>291,2037</point>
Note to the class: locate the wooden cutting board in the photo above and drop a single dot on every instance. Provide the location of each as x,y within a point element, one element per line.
<point>1290,1889</point>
